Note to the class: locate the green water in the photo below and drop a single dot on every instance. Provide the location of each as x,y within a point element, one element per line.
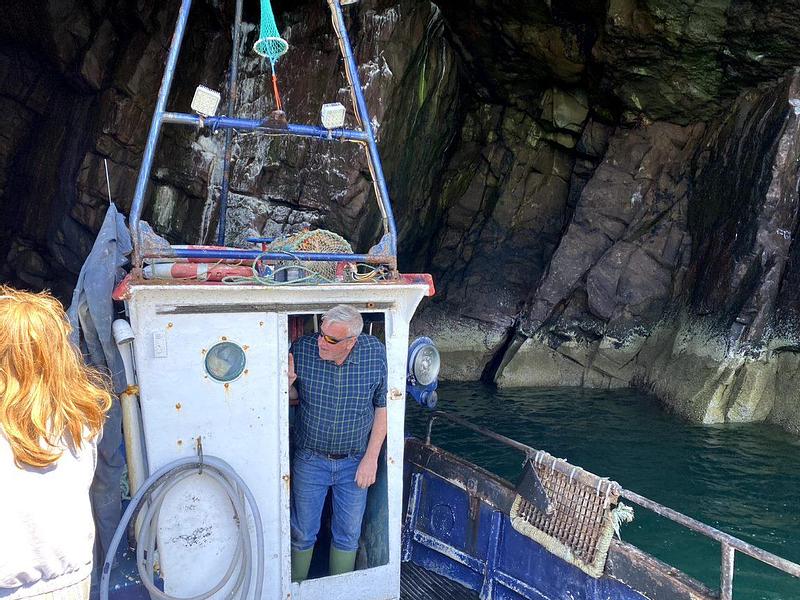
<point>742,479</point>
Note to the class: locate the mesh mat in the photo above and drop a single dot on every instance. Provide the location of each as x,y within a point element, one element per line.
<point>318,240</point>
<point>581,526</point>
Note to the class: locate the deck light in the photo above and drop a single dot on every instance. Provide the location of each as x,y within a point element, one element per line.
<point>424,363</point>
<point>333,115</point>
<point>205,101</point>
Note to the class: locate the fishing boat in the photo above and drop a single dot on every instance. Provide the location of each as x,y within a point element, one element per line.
<point>207,420</point>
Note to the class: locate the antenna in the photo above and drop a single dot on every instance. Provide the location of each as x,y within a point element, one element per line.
<point>108,180</point>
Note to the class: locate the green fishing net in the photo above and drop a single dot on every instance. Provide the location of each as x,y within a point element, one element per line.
<point>270,44</point>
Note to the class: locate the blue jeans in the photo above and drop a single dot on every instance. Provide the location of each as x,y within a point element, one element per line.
<point>312,476</point>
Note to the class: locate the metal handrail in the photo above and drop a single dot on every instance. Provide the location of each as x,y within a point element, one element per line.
<point>730,544</point>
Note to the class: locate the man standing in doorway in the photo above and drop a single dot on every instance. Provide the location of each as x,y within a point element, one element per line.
<point>340,377</point>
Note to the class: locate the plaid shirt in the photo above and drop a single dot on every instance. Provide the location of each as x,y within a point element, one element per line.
<point>337,402</point>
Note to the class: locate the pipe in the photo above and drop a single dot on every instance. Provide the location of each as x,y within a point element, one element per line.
<point>241,254</point>
<point>163,477</point>
<point>132,429</point>
<point>373,158</point>
<point>155,130</point>
<point>296,129</point>
<point>233,93</point>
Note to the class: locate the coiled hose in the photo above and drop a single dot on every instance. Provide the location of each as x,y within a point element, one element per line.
<point>156,488</point>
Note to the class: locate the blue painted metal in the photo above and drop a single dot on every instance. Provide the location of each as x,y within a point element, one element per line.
<point>236,254</point>
<point>260,240</point>
<point>485,554</point>
<point>374,158</point>
<point>155,128</point>
<point>228,153</point>
<point>487,590</point>
<point>410,522</point>
<point>222,122</point>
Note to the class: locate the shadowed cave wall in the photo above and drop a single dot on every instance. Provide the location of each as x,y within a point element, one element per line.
<point>617,177</point>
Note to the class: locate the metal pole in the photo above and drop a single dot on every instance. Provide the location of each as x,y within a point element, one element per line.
<point>715,534</point>
<point>374,159</point>
<point>343,135</point>
<point>233,92</point>
<point>155,129</point>
<point>726,572</point>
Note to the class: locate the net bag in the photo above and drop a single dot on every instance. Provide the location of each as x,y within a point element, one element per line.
<point>318,240</point>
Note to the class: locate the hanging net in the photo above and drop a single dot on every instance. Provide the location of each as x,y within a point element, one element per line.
<point>270,44</point>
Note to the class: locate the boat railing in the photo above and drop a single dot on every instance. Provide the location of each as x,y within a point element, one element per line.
<point>729,544</point>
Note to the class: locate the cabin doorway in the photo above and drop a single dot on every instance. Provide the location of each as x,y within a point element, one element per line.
<point>373,544</point>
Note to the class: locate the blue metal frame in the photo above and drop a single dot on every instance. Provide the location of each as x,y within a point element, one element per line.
<point>292,129</point>
<point>234,254</point>
<point>374,158</point>
<point>365,137</point>
<point>155,128</point>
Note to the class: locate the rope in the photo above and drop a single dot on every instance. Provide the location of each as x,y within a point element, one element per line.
<point>622,514</point>
<point>278,103</point>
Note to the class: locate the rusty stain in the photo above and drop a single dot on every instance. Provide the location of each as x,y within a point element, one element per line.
<point>224,338</point>
<point>178,406</point>
<point>391,460</point>
<point>370,305</point>
<point>396,394</point>
<point>227,385</point>
<point>261,323</point>
<point>246,371</point>
<point>180,442</point>
<point>202,351</point>
<point>169,325</point>
<point>245,347</point>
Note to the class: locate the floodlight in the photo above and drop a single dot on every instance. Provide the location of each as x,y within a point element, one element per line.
<point>424,363</point>
<point>333,115</point>
<point>205,101</point>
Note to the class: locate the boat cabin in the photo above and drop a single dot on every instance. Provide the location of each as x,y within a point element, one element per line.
<point>211,365</point>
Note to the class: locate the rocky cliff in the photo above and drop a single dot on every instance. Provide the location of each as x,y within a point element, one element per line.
<point>618,180</point>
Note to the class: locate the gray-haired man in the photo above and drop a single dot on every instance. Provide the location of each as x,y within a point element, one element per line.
<point>340,375</point>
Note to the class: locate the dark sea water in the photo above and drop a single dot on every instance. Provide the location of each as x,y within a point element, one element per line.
<point>742,479</point>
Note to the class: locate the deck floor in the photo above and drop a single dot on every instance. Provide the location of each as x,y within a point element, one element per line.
<point>418,584</point>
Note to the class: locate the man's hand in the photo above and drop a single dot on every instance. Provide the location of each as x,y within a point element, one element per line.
<point>365,475</point>
<point>294,399</point>
<point>292,374</point>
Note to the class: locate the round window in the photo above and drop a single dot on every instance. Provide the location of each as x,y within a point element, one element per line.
<point>225,361</point>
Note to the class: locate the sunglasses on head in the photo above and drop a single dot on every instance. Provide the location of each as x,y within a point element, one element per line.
<point>332,340</point>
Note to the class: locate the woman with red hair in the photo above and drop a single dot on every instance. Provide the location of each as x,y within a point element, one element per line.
<point>52,409</point>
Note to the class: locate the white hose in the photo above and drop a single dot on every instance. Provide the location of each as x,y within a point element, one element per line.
<point>156,487</point>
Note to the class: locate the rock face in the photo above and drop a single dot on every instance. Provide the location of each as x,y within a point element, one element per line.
<point>673,271</point>
<point>618,179</point>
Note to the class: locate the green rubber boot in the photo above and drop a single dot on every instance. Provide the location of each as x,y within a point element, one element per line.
<point>301,561</point>
<point>341,561</point>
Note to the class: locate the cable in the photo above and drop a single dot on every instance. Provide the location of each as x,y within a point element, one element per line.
<point>156,487</point>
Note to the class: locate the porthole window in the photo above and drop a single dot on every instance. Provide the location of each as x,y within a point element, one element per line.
<point>225,361</point>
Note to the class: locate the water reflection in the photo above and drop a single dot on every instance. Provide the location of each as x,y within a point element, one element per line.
<point>743,479</point>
